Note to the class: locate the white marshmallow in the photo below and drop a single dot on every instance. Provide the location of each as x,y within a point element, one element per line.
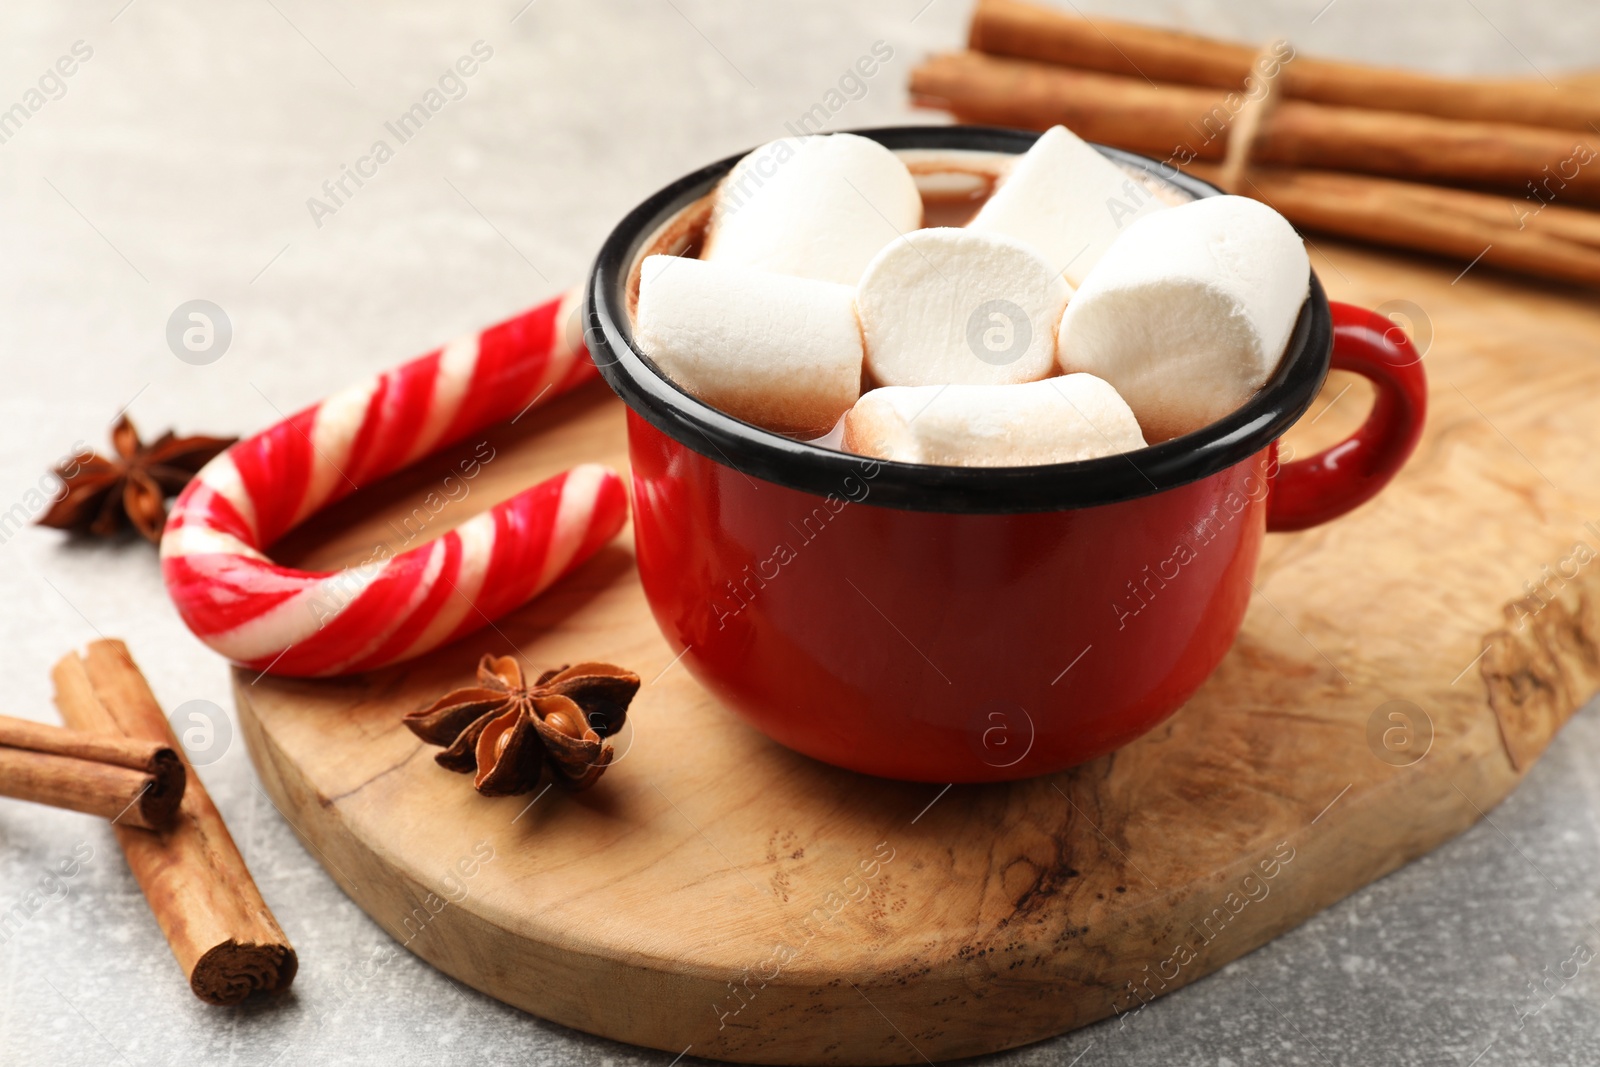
<point>818,207</point>
<point>949,305</point>
<point>783,353</point>
<point>1189,312</point>
<point>1068,201</point>
<point>1076,416</point>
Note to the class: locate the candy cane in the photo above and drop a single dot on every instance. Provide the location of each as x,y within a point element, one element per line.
<point>391,607</point>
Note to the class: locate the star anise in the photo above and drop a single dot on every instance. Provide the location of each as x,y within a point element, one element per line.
<point>104,495</point>
<point>509,732</point>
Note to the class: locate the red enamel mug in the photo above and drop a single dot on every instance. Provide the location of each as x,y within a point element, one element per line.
<point>945,624</point>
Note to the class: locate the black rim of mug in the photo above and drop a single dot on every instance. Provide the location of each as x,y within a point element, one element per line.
<point>821,471</point>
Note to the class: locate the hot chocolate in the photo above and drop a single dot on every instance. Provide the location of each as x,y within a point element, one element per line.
<point>1105,293</point>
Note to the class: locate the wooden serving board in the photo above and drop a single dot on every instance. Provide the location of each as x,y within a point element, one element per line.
<point>720,894</point>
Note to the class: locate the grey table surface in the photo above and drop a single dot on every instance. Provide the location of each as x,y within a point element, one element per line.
<point>176,163</point>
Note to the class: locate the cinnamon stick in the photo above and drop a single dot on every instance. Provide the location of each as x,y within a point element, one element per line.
<point>197,884</point>
<point>134,783</point>
<point>1448,222</point>
<point>1193,124</point>
<point>1520,213</point>
<point>80,744</point>
<point>1028,31</point>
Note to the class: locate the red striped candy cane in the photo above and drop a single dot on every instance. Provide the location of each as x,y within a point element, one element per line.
<point>392,607</point>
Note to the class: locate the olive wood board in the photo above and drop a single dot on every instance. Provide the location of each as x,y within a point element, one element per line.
<point>719,894</point>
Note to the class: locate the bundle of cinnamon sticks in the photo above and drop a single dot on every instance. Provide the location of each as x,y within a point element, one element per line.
<point>119,760</point>
<point>1503,171</point>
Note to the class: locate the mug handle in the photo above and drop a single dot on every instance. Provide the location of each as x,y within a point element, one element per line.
<point>1308,492</point>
